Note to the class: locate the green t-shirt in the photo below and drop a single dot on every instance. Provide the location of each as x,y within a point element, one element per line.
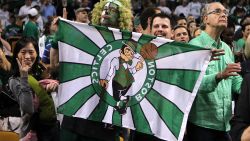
<point>239,45</point>
<point>31,30</point>
<point>12,30</point>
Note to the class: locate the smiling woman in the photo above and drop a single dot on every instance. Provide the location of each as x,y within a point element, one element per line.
<point>25,54</point>
<point>37,107</point>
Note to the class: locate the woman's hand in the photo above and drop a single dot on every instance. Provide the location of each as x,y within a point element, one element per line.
<point>49,85</point>
<point>31,136</point>
<point>23,68</point>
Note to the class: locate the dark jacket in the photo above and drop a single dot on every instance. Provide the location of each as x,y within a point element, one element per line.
<point>90,129</point>
<point>241,120</point>
<point>245,67</point>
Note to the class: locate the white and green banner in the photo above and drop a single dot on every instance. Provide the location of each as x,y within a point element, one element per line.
<point>128,79</point>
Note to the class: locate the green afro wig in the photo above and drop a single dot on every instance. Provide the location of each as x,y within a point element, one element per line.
<point>125,18</point>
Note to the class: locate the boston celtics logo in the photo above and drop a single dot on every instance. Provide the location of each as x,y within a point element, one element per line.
<point>128,79</point>
<point>123,72</point>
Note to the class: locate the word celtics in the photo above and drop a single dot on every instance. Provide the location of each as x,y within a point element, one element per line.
<point>97,62</point>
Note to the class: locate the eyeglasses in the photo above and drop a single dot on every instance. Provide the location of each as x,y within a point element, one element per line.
<point>219,11</point>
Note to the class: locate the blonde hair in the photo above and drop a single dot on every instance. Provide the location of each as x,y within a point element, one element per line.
<point>125,19</point>
<point>5,64</point>
<point>247,48</point>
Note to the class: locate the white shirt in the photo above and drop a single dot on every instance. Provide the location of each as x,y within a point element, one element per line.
<point>182,9</point>
<point>195,9</point>
<point>165,10</point>
<point>4,17</point>
<point>39,21</point>
<point>24,11</point>
<point>37,2</point>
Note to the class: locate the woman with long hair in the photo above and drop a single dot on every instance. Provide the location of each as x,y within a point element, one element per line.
<point>37,107</point>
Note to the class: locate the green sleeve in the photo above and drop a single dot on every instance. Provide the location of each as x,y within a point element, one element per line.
<point>54,42</point>
<point>58,36</point>
<point>240,44</point>
<point>236,84</point>
<point>236,80</point>
<point>208,83</point>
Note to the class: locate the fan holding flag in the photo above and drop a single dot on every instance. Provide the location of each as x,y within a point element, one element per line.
<point>105,13</point>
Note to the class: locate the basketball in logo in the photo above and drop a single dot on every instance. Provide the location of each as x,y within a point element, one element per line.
<point>149,51</point>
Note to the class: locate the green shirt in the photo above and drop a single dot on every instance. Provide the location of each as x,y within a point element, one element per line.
<point>212,107</point>
<point>12,30</point>
<point>239,45</point>
<point>31,30</point>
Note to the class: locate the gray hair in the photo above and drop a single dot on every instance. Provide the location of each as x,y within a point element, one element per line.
<point>204,13</point>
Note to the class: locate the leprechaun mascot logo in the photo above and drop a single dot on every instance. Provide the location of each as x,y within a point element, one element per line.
<point>123,72</point>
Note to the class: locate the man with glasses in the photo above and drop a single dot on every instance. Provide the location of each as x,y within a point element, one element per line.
<point>212,109</point>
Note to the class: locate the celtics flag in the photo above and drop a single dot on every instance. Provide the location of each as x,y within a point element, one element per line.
<point>128,79</point>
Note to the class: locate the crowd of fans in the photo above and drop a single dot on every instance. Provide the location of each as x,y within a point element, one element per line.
<point>30,28</point>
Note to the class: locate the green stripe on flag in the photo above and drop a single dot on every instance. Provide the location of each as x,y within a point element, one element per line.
<point>184,79</point>
<point>174,48</point>
<point>140,122</point>
<point>106,34</point>
<point>73,71</point>
<point>104,94</point>
<point>145,38</point>
<point>73,36</point>
<point>126,35</point>
<point>169,112</point>
<point>99,111</point>
<point>70,107</point>
<point>116,118</point>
